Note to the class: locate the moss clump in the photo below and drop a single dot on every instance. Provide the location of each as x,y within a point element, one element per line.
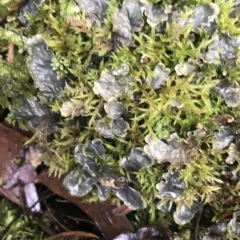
<point>14,226</point>
<point>197,57</point>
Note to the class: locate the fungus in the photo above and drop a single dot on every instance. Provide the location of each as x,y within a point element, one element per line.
<point>39,64</point>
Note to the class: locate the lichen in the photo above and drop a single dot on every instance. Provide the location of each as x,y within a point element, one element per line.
<point>153,75</point>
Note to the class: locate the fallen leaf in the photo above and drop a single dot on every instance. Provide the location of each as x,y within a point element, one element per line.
<point>75,235</point>
<point>100,212</point>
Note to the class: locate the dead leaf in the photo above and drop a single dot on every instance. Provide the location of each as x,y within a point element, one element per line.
<point>17,181</point>
<point>121,210</point>
<point>11,143</point>
<point>75,235</point>
<point>100,212</point>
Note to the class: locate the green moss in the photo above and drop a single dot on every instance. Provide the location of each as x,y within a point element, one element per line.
<point>14,226</point>
<point>83,53</point>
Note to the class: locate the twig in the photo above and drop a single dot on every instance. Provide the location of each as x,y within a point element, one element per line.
<point>44,227</point>
<point>62,226</point>
<point>197,224</point>
<point>10,52</point>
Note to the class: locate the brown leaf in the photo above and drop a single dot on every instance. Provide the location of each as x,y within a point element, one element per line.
<point>11,143</point>
<point>75,235</point>
<point>121,210</point>
<point>100,212</point>
<point>17,181</point>
<point>10,146</point>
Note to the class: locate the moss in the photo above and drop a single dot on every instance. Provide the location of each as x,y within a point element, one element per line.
<point>12,226</point>
<point>82,53</point>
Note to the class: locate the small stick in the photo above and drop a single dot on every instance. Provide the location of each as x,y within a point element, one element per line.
<point>10,52</point>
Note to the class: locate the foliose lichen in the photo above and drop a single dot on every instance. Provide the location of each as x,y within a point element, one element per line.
<point>154,80</point>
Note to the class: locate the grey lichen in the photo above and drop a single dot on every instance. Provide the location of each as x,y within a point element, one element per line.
<point>170,192</point>
<point>172,188</point>
<point>172,151</point>
<point>230,93</point>
<point>184,69</point>
<point>204,17</point>
<point>111,128</point>
<point>109,86</point>
<point>127,20</point>
<point>79,183</point>
<point>73,108</point>
<point>223,138</point>
<point>94,12</point>
<point>177,104</point>
<point>30,109</point>
<point>161,75</point>
<point>94,173</point>
<point>39,64</point>
<point>30,7</point>
<point>137,160</point>
<point>233,153</point>
<point>226,46</point>
<point>114,109</point>
<point>223,48</point>
<point>156,14</point>
<point>184,213</point>
<point>130,197</point>
<point>234,225</point>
